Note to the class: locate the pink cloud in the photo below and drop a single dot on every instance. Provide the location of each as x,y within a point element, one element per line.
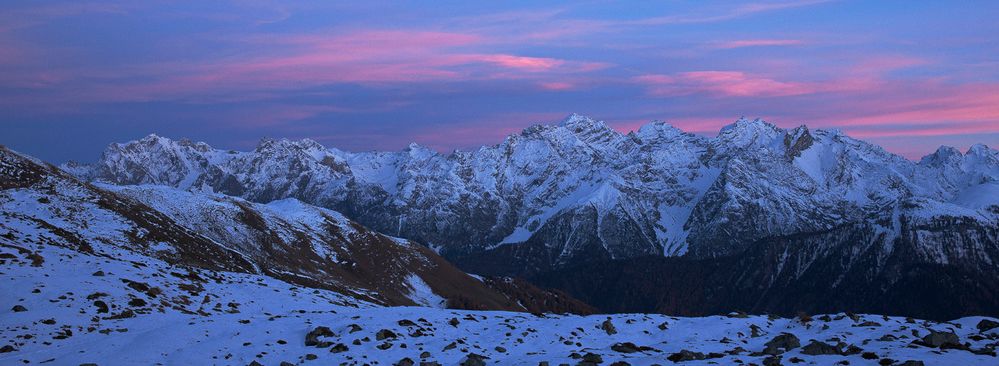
<point>520,62</point>
<point>758,43</point>
<point>556,85</point>
<point>304,60</point>
<point>723,83</point>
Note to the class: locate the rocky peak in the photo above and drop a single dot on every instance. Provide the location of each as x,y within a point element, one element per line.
<point>419,152</point>
<point>943,156</point>
<point>658,129</point>
<point>980,150</point>
<point>285,146</point>
<point>744,125</point>
<point>581,124</point>
<point>797,140</point>
<point>576,119</point>
<point>749,136</point>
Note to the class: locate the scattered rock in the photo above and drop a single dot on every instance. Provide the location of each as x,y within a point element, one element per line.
<point>772,361</point>
<point>473,359</point>
<point>608,327</point>
<point>782,343</point>
<point>911,363</point>
<point>591,359</point>
<point>941,340</point>
<point>626,347</point>
<point>685,355</point>
<point>385,334</point>
<point>405,362</point>
<point>986,325</point>
<point>102,307</point>
<point>312,338</point>
<point>7,348</point>
<point>18,308</point>
<point>338,348</point>
<point>820,348</point>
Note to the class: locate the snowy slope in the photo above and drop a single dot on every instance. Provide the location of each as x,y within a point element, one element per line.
<point>130,309</point>
<point>285,239</point>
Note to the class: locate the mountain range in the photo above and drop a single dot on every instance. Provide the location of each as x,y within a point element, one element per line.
<point>757,218</point>
<point>202,252</point>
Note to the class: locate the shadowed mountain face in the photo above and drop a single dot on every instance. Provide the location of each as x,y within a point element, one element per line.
<point>935,269</point>
<point>285,239</point>
<point>579,192</point>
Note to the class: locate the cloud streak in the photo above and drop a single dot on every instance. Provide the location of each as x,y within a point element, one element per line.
<point>375,75</point>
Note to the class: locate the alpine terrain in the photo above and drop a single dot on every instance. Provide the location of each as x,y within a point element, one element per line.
<point>802,211</point>
<point>174,252</point>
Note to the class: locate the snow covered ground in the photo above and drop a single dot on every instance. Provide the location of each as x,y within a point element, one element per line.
<point>63,307</point>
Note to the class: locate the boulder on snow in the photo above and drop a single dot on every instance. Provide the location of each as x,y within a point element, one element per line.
<point>385,334</point>
<point>986,325</point>
<point>685,355</point>
<point>473,359</point>
<point>781,343</point>
<point>820,348</point>
<point>312,338</point>
<point>608,327</point>
<point>941,340</point>
<point>626,347</point>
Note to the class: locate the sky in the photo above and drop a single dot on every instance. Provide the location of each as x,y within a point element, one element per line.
<point>370,75</point>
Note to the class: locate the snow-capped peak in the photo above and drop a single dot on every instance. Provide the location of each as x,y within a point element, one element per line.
<point>576,118</point>
<point>744,125</point>
<point>658,129</point>
<point>980,150</point>
<point>943,155</point>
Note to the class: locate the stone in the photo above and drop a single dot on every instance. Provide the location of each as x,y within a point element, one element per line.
<point>338,348</point>
<point>820,348</point>
<point>473,359</point>
<point>986,325</point>
<point>781,343</point>
<point>385,334</point>
<point>312,338</point>
<point>608,327</point>
<point>685,355</point>
<point>626,347</point>
<point>941,340</point>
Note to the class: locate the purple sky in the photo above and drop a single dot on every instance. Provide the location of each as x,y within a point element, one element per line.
<point>76,75</point>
